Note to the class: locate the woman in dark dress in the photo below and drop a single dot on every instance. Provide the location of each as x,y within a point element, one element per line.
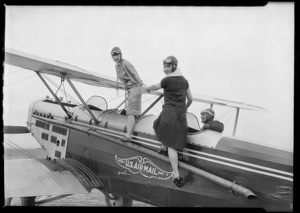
<point>171,125</point>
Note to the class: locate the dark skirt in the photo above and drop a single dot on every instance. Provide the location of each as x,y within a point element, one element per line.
<point>171,129</point>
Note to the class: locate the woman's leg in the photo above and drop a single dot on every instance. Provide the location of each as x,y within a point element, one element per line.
<point>174,161</point>
<point>134,105</point>
<point>130,125</point>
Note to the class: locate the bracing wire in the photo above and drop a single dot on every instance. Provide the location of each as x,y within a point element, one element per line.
<point>148,100</point>
<point>229,118</point>
<point>61,83</point>
<point>23,79</point>
<point>67,94</point>
<point>225,113</point>
<point>14,71</point>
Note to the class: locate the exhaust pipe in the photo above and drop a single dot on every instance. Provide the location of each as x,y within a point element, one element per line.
<point>220,181</point>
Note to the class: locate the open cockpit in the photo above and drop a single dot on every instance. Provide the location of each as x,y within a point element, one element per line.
<point>115,119</point>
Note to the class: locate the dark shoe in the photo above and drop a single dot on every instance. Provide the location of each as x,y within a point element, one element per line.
<point>163,151</point>
<point>126,138</point>
<point>178,181</point>
<point>180,156</point>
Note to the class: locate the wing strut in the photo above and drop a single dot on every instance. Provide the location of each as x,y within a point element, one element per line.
<point>56,98</point>
<point>236,120</point>
<point>81,99</point>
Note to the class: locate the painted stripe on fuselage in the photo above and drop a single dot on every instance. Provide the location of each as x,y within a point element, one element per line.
<point>241,162</point>
<point>210,155</point>
<point>241,167</point>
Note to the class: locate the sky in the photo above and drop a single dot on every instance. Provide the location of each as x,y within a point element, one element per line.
<point>244,54</point>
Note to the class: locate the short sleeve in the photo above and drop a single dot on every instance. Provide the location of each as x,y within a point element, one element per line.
<point>163,82</point>
<point>187,84</point>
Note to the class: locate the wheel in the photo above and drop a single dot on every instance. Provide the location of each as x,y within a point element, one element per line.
<point>118,201</point>
<point>20,201</point>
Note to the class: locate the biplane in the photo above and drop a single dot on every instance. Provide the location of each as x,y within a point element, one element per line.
<point>84,152</point>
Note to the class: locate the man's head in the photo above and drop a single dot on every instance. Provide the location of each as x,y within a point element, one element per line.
<point>116,54</point>
<point>207,115</point>
<point>170,64</point>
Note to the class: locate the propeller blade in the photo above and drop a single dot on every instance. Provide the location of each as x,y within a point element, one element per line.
<point>15,129</point>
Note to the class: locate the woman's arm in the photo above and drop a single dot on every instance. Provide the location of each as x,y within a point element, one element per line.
<point>189,98</point>
<point>153,87</point>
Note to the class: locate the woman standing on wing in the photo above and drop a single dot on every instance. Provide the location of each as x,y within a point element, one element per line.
<point>127,74</point>
<point>171,125</point>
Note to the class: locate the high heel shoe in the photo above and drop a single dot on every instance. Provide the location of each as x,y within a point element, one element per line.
<point>163,151</point>
<point>178,181</point>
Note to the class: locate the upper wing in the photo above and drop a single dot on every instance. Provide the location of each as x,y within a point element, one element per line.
<point>224,102</point>
<point>30,177</point>
<point>219,101</point>
<point>56,68</point>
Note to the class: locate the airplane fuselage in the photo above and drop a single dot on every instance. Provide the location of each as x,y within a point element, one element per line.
<point>136,170</point>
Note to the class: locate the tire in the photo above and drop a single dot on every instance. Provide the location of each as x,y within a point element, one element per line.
<point>118,201</point>
<point>20,201</point>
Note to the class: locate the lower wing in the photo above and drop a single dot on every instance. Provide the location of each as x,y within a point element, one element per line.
<point>39,177</point>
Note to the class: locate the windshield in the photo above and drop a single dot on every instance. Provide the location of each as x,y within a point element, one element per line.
<point>97,103</point>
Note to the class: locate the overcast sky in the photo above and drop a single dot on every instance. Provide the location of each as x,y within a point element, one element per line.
<point>239,53</point>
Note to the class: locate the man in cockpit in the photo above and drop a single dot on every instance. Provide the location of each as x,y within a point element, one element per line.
<point>207,118</point>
